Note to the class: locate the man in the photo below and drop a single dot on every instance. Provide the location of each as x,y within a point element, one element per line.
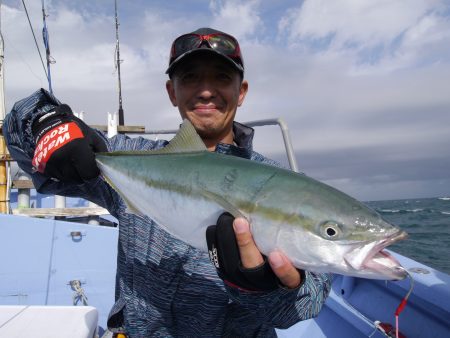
<point>164,286</point>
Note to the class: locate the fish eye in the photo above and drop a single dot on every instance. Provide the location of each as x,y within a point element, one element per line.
<point>330,230</point>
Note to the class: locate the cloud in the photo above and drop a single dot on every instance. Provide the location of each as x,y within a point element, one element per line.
<point>239,18</point>
<point>359,22</point>
<point>377,37</point>
<point>362,85</point>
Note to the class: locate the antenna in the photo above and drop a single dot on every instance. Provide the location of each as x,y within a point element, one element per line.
<point>118,62</point>
<point>2,81</point>
<point>4,166</point>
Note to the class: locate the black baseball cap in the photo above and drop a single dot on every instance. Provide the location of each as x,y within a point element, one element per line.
<point>206,40</point>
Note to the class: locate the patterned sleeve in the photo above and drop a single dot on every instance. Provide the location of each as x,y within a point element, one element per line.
<point>17,128</point>
<point>282,308</point>
<point>20,142</point>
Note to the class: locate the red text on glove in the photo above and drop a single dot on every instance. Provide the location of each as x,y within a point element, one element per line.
<point>52,141</point>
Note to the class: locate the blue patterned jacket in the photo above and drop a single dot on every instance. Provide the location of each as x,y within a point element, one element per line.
<point>164,287</point>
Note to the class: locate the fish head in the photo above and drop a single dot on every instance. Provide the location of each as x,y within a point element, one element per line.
<point>322,229</point>
<point>355,241</point>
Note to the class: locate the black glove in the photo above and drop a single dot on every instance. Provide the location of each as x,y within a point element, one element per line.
<point>224,254</point>
<point>65,146</point>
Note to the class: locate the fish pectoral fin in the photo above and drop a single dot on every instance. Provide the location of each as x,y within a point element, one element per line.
<point>225,204</point>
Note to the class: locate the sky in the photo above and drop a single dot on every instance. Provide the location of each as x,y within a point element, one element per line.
<point>364,86</point>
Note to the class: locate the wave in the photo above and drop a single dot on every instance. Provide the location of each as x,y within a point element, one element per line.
<point>444,198</point>
<point>445,212</point>
<point>402,211</point>
<point>388,211</point>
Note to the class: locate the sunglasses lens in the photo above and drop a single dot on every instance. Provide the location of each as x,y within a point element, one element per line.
<point>185,44</point>
<point>222,44</point>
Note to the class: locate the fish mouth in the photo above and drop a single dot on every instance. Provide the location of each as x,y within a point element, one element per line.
<point>378,248</point>
<point>377,261</point>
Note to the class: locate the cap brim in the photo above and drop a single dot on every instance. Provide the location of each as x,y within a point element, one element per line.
<point>182,57</point>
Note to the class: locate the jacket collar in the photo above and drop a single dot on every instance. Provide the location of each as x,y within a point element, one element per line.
<point>243,142</point>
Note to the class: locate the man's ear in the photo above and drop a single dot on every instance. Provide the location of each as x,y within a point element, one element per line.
<point>242,92</point>
<point>171,92</point>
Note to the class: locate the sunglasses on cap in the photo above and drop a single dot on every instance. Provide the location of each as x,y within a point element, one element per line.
<point>221,43</point>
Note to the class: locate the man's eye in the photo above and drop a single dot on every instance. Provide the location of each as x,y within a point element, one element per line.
<point>189,77</point>
<point>224,76</point>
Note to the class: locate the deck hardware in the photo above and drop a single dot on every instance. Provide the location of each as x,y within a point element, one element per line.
<point>77,236</point>
<point>79,295</point>
<point>421,271</point>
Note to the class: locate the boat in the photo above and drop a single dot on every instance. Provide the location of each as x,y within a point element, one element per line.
<point>58,263</point>
<point>51,265</point>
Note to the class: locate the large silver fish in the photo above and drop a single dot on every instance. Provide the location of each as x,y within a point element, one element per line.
<point>185,188</point>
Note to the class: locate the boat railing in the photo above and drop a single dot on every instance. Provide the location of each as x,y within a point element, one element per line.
<point>24,185</point>
<point>258,123</point>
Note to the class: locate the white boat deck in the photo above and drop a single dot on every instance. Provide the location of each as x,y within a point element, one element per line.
<point>42,256</point>
<point>20,321</point>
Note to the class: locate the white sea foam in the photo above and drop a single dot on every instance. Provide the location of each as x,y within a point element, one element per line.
<point>390,210</point>
<point>444,198</point>
<point>395,211</point>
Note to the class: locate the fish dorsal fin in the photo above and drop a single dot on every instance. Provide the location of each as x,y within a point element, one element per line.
<point>185,141</point>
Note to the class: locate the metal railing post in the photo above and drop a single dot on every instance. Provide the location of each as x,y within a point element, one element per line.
<point>23,195</point>
<point>286,138</point>
<point>112,124</point>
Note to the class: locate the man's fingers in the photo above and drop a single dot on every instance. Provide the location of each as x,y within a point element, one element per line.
<point>250,255</point>
<point>284,270</point>
<point>288,275</point>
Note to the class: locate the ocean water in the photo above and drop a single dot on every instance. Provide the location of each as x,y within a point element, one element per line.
<point>427,221</point>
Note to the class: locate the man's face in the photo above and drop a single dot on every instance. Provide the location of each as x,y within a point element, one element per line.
<point>207,91</point>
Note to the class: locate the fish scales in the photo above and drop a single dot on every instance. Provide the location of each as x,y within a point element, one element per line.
<point>185,188</point>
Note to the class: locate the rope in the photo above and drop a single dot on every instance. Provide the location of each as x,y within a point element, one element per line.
<point>17,314</point>
<point>377,325</point>
<point>34,36</point>
<point>79,294</point>
<point>402,304</point>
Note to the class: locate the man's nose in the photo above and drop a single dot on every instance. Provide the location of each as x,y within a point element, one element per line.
<point>206,89</point>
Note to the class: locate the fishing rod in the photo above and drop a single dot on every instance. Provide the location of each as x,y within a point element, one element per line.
<point>49,58</point>
<point>118,61</point>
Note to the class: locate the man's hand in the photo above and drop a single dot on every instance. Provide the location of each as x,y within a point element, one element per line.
<point>288,275</point>
<point>65,146</point>
<point>239,263</point>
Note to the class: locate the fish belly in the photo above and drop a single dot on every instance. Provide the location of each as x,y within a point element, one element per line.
<point>184,216</point>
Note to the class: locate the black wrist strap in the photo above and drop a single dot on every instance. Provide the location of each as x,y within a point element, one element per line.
<point>224,254</point>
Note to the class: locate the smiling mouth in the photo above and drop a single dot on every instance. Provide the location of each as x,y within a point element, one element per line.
<point>205,109</point>
<point>204,105</point>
